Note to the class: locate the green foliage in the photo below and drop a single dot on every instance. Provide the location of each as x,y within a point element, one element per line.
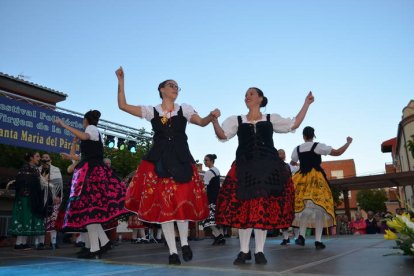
<point>13,157</point>
<point>410,145</point>
<point>372,200</point>
<point>123,161</point>
<point>336,193</point>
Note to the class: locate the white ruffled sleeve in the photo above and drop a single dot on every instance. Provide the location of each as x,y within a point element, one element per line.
<point>188,111</point>
<point>230,127</point>
<point>93,132</point>
<point>280,124</point>
<point>147,112</point>
<point>323,149</point>
<point>295,157</point>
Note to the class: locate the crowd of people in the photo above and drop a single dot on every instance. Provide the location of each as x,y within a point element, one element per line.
<point>260,192</point>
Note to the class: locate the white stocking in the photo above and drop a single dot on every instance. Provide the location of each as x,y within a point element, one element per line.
<point>93,236</point>
<point>141,232</point>
<point>244,237</point>
<point>285,234</point>
<point>169,234</point>
<point>318,225</point>
<point>215,231</point>
<point>159,233</point>
<point>183,231</point>
<point>103,238</point>
<point>39,239</point>
<point>303,221</point>
<point>53,235</point>
<point>260,238</point>
<point>21,240</point>
<point>85,238</point>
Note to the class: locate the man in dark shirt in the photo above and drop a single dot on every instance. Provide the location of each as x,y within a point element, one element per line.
<point>372,226</point>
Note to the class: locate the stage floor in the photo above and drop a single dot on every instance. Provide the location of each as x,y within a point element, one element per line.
<point>344,255</point>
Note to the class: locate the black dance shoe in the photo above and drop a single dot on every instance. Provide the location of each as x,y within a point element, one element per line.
<point>219,240</point>
<point>173,259</point>
<point>242,258</point>
<point>90,255</point>
<point>285,241</point>
<point>22,247</point>
<point>187,253</point>
<point>260,258</point>
<point>319,245</point>
<point>300,240</point>
<point>106,247</point>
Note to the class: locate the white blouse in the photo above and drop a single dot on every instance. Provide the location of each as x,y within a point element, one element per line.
<point>321,149</point>
<point>280,124</point>
<point>93,133</point>
<point>208,175</point>
<point>148,111</point>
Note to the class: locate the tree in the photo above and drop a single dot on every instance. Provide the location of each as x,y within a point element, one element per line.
<point>123,161</point>
<point>410,145</point>
<point>336,194</point>
<point>372,200</point>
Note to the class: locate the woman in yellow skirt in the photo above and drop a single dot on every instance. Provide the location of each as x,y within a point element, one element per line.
<point>314,205</point>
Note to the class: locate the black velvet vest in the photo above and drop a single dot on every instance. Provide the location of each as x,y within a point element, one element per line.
<point>260,172</point>
<point>310,160</point>
<point>92,150</point>
<point>170,152</point>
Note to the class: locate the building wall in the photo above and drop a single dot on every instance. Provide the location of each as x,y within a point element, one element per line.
<point>342,169</point>
<point>345,169</point>
<point>404,159</point>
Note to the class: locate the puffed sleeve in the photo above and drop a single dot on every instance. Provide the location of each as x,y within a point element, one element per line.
<point>208,175</point>
<point>295,157</point>
<point>93,132</point>
<point>188,111</point>
<point>230,127</point>
<point>147,112</point>
<point>280,124</point>
<point>323,149</point>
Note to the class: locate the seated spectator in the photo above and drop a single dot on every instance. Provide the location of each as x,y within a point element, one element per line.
<point>371,222</point>
<point>345,226</point>
<point>358,225</point>
<point>338,224</point>
<point>382,221</point>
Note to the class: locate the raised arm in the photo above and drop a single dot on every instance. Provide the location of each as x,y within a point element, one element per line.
<point>197,120</point>
<point>337,152</point>
<point>302,113</point>
<point>122,103</point>
<point>72,154</point>
<point>218,130</point>
<point>78,133</point>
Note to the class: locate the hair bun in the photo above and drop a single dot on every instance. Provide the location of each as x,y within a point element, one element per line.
<point>97,113</point>
<point>264,102</point>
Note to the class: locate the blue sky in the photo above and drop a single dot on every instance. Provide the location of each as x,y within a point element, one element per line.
<point>356,56</point>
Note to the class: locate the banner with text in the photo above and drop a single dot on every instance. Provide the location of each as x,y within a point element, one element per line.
<point>30,126</point>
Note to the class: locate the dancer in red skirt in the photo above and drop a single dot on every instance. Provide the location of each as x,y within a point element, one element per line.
<point>258,191</point>
<point>97,195</point>
<point>167,187</point>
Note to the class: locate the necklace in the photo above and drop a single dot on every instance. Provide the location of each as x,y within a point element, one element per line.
<point>164,118</point>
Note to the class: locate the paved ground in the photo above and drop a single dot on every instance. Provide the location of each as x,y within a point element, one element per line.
<point>344,255</point>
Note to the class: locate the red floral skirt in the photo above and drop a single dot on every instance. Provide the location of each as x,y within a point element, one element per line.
<point>135,223</point>
<point>261,213</point>
<point>158,200</point>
